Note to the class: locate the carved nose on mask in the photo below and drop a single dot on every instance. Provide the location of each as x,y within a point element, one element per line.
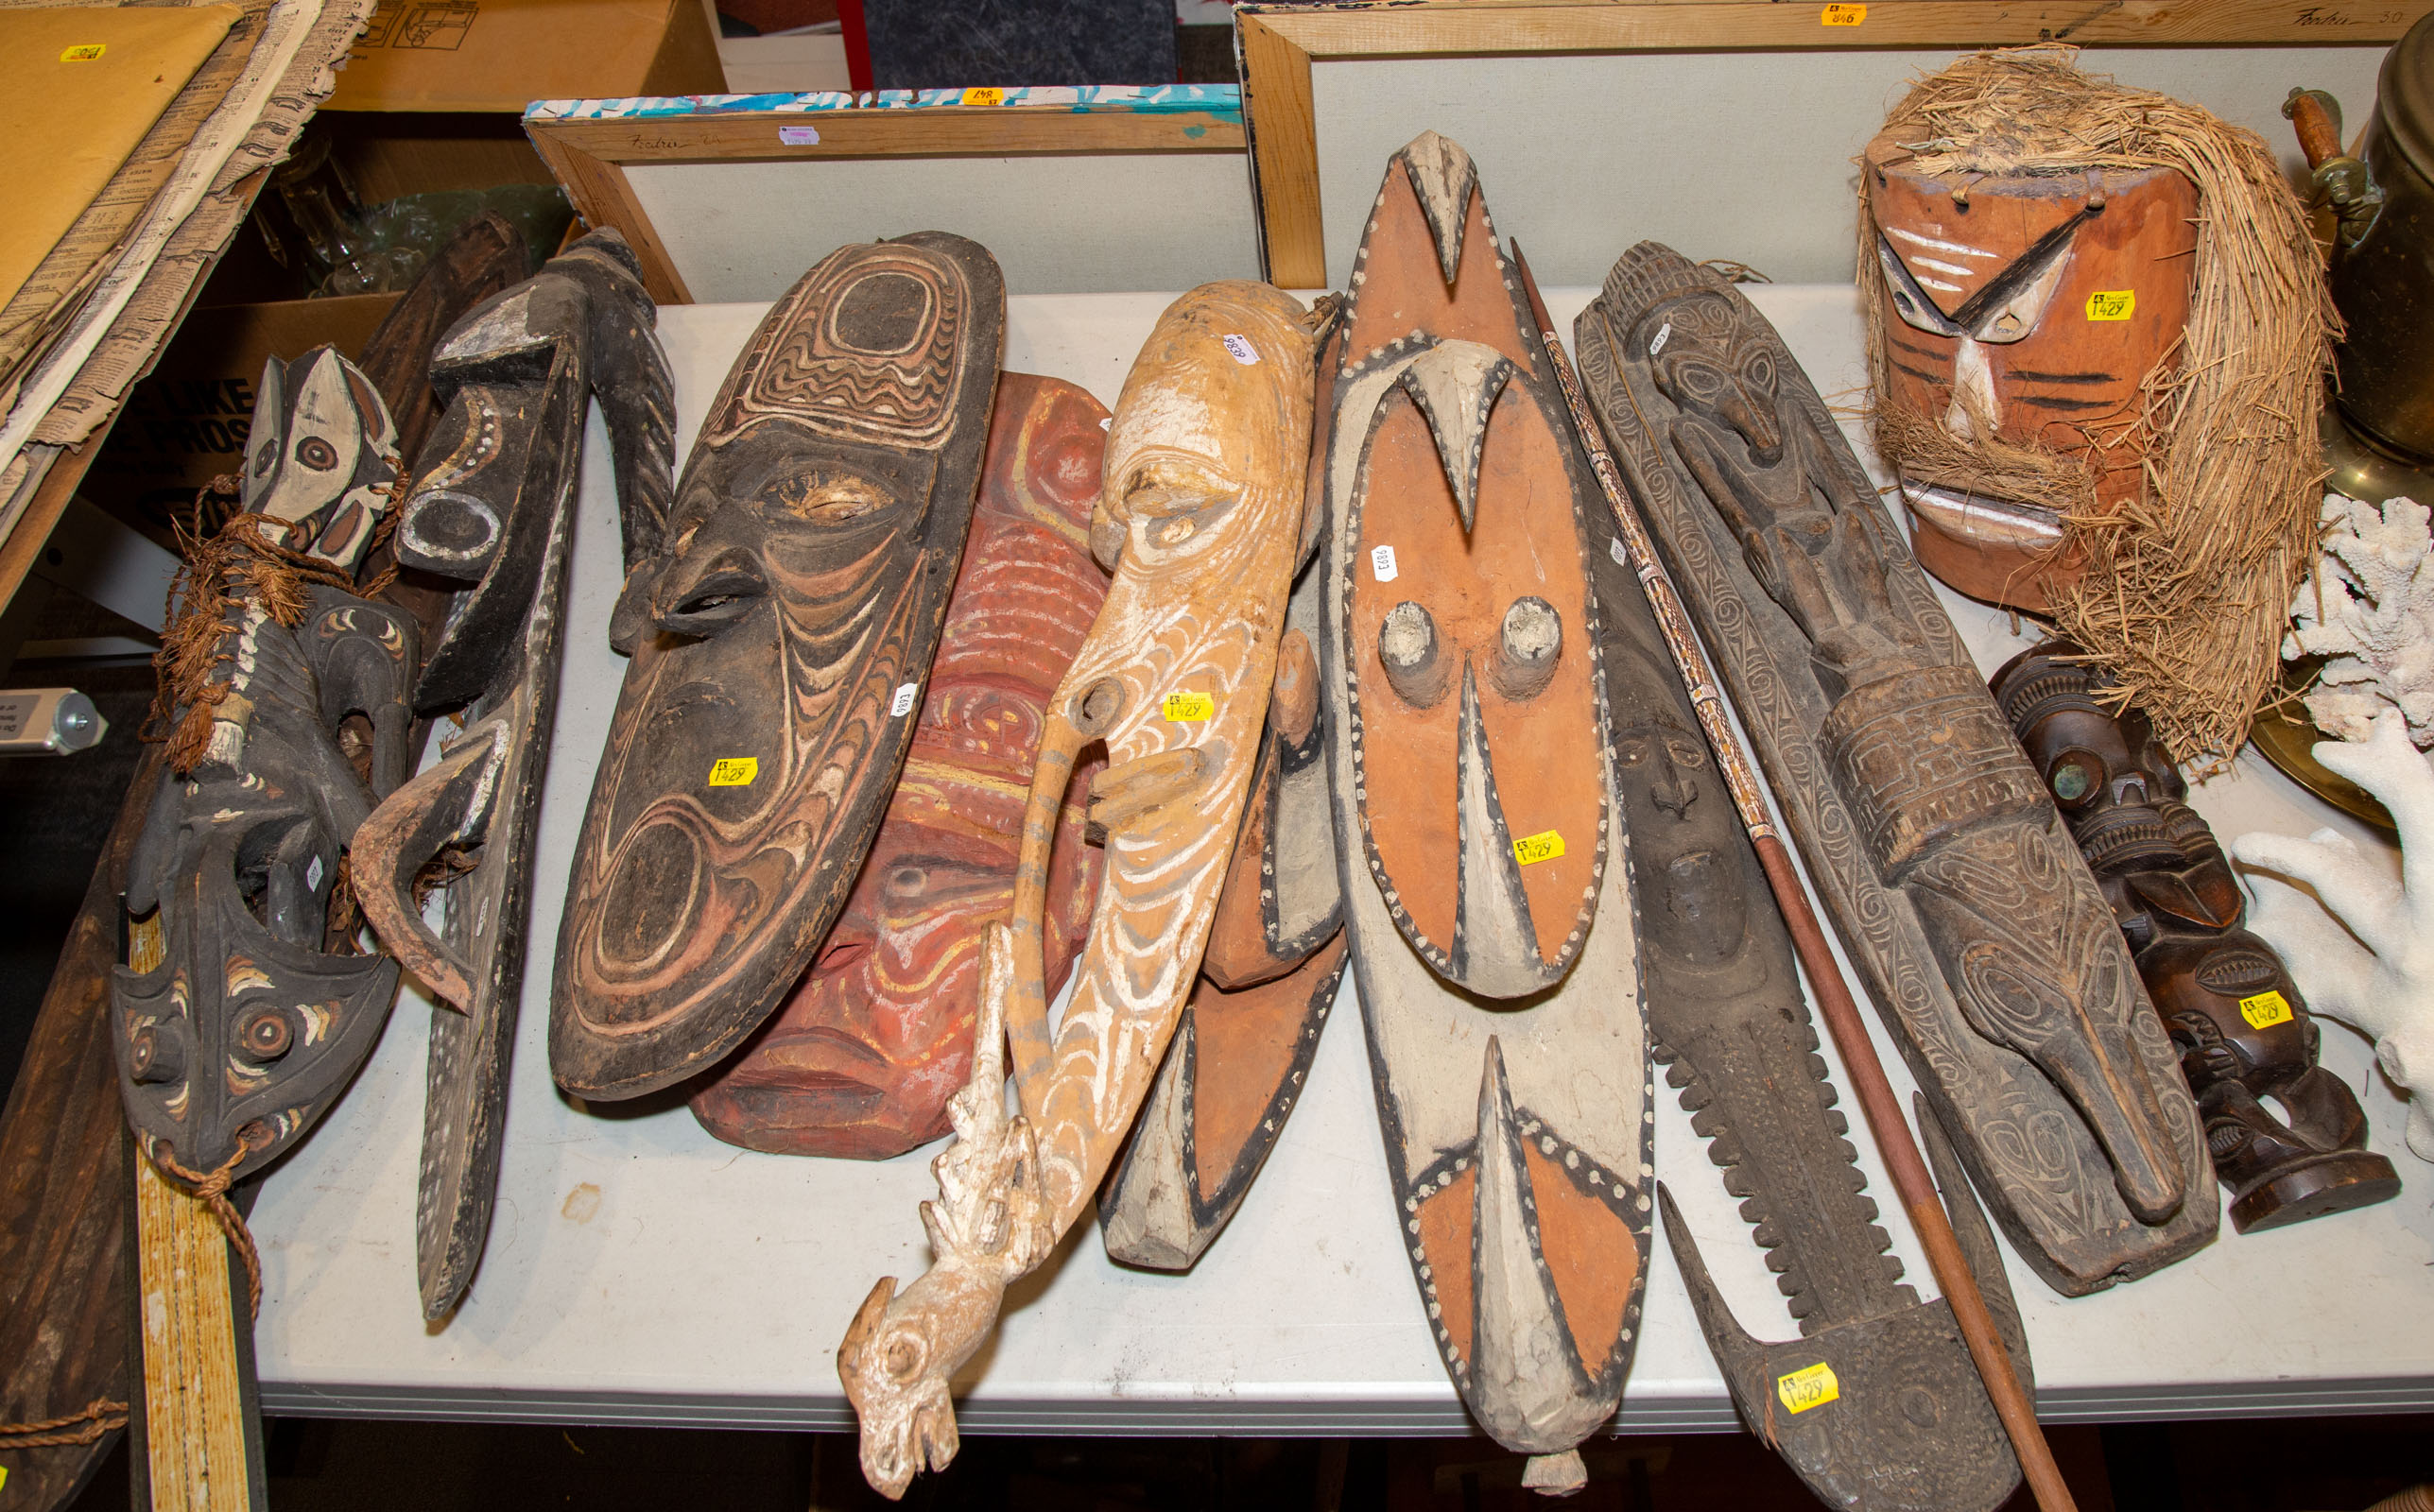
<point>1755,420</point>
<point>1532,642</point>
<point>1413,655</point>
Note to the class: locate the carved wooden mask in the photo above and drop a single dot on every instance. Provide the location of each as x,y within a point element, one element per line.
<point>863,1056</point>
<point>247,1027</point>
<point>2033,305</point>
<point>792,614</point>
<point>1468,625</point>
<point>321,456</point>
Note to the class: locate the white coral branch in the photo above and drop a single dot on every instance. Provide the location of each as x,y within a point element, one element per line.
<point>2368,607</point>
<point>2374,969</point>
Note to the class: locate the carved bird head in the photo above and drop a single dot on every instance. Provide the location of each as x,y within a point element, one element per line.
<point>888,1364</point>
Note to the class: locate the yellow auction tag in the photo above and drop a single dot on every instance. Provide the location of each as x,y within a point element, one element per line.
<point>1812,1386</point>
<point>1179,707</point>
<point>1842,15</point>
<point>735,771</point>
<point>86,54</point>
<point>1544,846</point>
<point>2112,305</point>
<point>984,96</point>
<point>2266,1009</point>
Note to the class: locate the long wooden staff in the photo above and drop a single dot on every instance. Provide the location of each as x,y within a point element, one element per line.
<point>1885,1120</point>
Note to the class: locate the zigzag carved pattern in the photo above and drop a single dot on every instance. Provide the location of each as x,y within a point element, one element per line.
<point>805,372</point>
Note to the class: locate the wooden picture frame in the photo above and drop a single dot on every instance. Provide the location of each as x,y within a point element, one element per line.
<point>1276,45</point>
<point>589,145</point>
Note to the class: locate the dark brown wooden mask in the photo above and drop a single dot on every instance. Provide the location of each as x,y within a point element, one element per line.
<point>240,1026</point>
<point>1468,629</point>
<point>781,636</point>
<point>2033,307</point>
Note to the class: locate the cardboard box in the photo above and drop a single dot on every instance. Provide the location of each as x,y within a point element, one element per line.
<point>187,424</point>
<point>502,54</point>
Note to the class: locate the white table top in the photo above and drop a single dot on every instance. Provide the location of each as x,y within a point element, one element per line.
<point>640,1271</point>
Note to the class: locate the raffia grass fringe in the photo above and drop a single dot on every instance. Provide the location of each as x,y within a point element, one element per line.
<point>102,1416</point>
<point>244,560</point>
<point>2186,588</point>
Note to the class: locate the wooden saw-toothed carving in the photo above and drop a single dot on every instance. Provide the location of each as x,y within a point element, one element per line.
<point>1199,516</point>
<point>1467,714</point>
<point>877,1036</point>
<point>1910,1428</point>
<point>1962,900</point>
<point>493,508</point>
<point>781,631</point>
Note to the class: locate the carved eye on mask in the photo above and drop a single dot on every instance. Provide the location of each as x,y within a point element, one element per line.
<point>317,453</point>
<point>2005,308</point>
<point>1413,655</point>
<point>2076,778</point>
<point>266,1035</point>
<point>708,602</point>
<point>1527,650</point>
<point>823,500</point>
<point>1176,497</point>
<point>156,1058</point>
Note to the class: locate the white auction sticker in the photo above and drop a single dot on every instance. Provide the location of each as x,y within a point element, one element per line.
<point>1614,548</point>
<point>1663,334</point>
<point>799,136</point>
<point>1381,563</point>
<point>905,693</point>
<point>1242,351</point>
<point>313,876</point>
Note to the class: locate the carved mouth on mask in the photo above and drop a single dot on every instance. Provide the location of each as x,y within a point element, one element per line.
<point>779,639</point>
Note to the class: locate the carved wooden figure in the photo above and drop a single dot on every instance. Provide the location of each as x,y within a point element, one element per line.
<point>1199,518</point>
<point>1956,891</point>
<point>871,1044</point>
<point>781,631</point>
<point>2029,307</point>
<point>259,1009</point>
<point>1467,744</point>
<point>1909,1426</point>
<point>493,508</point>
<point>1275,957</point>
<point>2242,1026</point>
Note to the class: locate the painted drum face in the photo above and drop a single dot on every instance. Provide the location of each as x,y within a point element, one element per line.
<point>793,611</point>
<point>238,1023</point>
<point>2030,308</point>
<point>863,1056</point>
<point>1467,619</point>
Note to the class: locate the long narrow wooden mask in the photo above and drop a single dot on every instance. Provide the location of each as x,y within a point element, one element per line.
<point>781,636</point>
<point>1467,622</point>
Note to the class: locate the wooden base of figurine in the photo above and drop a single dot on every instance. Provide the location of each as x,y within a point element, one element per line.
<point>2337,1183</point>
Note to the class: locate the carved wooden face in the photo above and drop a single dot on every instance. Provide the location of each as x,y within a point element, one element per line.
<point>1466,619</point>
<point>2030,304</point>
<point>245,1028</point>
<point>793,609</point>
<point>863,1056</point>
<point>1706,359</point>
<point>322,454</point>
